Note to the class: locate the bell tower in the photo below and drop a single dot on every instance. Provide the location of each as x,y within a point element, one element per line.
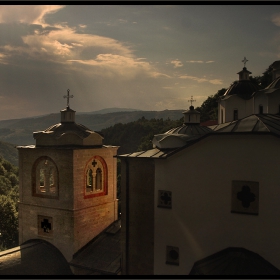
<point>67,185</point>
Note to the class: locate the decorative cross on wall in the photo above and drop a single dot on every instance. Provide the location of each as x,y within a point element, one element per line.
<point>191,100</point>
<point>244,61</point>
<point>246,196</point>
<point>166,198</point>
<point>46,226</point>
<point>68,96</point>
<point>94,163</point>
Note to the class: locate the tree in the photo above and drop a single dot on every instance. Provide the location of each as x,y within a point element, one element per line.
<point>209,108</point>
<point>8,223</point>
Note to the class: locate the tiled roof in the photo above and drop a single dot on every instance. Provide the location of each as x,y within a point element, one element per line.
<point>267,123</point>
<point>102,256</point>
<point>34,257</point>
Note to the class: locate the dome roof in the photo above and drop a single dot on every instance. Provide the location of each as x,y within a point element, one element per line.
<point>243,89</point>
<point>67,132</point>
<point>179,136</point>
<point>34,257</point>
<point>274,84</point>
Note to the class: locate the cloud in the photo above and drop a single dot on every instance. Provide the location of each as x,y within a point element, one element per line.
<point>31,14</point>
<point>177,63</point>
<point>200,61</point>
<point>194,61</point>
<point>276,19</point>
<point>201,80</point>
<point>120,65</point>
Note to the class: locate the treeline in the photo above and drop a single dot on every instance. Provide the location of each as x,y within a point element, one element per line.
<point>137,135</point>
<point>9,196</point>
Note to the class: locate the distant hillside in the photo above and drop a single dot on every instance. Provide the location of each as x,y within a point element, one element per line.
<point>9,152</point>
<point>108,110</point>
<point>20,131</point>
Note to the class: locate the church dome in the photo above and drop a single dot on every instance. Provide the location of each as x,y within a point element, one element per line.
<point>244,88</point>
<point>67,132</point>
<point>179,136</point>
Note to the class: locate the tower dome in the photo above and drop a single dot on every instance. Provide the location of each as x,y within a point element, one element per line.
<point>179,136</point>
<point>243,88</point>
<point>67,132</point>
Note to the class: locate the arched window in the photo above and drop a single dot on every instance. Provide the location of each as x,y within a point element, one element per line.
<point>96,177</point>
<point>45,178</point>
<point>89,181</point>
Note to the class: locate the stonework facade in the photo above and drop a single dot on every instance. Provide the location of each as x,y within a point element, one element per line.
<point>54,202</point>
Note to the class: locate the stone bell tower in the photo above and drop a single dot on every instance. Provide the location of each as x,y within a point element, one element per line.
<point>67,185</point>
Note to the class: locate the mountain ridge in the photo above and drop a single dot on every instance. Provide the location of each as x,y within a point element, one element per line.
<point>20,131</point>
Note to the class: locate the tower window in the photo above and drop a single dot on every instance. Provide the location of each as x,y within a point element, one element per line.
<point>96,177</point>
<point>45,178</point>
<point>235,115</point>
<point>260,109</point>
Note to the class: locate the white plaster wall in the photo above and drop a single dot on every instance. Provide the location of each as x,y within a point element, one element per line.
<point>260,99</point>
<point>274,102</point>
<point>200,222</point>
<point>235,102</point>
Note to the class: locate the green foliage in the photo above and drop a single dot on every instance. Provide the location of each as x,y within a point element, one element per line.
<point>137,135</point>
<point>209,108</point>
<point>264,80</point>
<point>9,195</point>
<point>8,222</point>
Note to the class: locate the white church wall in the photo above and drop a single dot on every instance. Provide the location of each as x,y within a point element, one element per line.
<point>200,222</point>
<point>234,103</point>
<point>260,99</point>
<point>274,102</point>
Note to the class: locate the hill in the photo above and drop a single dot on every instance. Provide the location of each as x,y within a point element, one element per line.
<point>20,131</point>
<point>9,152</point>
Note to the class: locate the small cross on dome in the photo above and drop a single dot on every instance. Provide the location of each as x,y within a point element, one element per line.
<point>191,100</point>
<point>68,96</point>
<point>244,61</point>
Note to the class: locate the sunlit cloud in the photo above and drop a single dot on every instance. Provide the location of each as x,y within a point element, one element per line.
<point>200,61</point>
<point>194,61</point>
<point>31,14</point>
<point>122,20</point>
<point>177,63</point>
<point>276,19</point>
<point>201,80</point>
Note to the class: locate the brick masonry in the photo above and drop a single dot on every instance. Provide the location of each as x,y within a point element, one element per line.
<point>76,220</point>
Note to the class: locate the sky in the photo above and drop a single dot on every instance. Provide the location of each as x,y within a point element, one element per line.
<point>146,57</point>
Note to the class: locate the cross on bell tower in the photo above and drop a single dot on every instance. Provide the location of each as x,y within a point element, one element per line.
<point>68,96</point>
<point>191,100</point>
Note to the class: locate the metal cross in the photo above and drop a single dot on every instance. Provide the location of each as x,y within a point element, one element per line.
<point>244,61</point>
<point>68,96</point>
<point>191,100</point>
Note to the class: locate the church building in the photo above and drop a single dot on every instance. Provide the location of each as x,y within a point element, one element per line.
<point>67,186</point>
<point>204,200</point>
<point>244,97</point>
